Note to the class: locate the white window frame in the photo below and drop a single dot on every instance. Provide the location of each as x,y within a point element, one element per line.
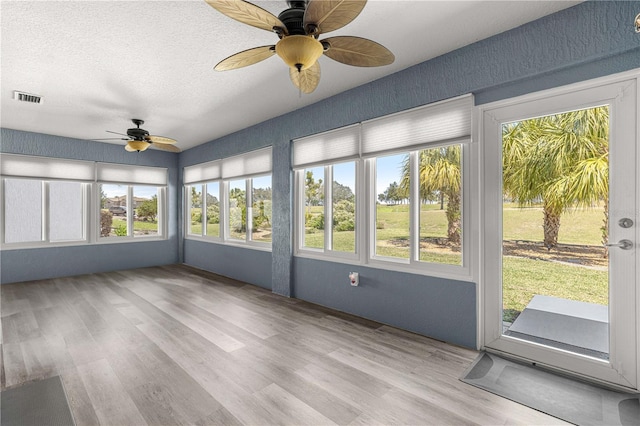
<point>365,187</point>
<point>162,212</point>
<point>45,226</point>
<point>300,211</point>
<point>243,167</point>
<point>187,209</point>
<point>414,264</point>
<point>48,169</point>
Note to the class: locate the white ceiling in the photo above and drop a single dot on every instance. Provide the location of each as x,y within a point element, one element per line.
<point>98,64</point>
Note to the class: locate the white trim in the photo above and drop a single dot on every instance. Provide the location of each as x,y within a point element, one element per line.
<point>624,366</point>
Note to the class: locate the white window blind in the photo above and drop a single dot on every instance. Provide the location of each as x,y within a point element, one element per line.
<point>438,122</point>
<point>120,173</point>
<point>46,167</point>
<point>203,172</point>
<point>343,143</point>
<point>251,163</point>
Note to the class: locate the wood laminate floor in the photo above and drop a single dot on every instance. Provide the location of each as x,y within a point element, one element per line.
<point>174,345</point>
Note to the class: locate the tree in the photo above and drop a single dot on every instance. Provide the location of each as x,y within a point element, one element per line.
<point>238,209</point>
<point>394,194</point>
<point>148,209</point>
<point>560,159</point>
<point>439,171</point>
<point>103,199</point>
<point>342,192</point>
<point>313,191</point>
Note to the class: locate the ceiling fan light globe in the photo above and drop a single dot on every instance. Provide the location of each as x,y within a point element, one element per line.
<point>299,51</point>
<point>138,145</point>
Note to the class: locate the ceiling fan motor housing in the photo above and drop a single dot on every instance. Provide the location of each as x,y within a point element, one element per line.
<point>293,17</point>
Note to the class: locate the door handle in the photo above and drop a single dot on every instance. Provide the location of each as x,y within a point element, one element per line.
<point>623,244</point>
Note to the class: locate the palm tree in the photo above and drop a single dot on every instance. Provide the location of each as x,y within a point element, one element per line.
<point>561,160</point>
<point>439,171</point>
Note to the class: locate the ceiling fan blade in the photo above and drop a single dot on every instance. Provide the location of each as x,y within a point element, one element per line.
<point>248,13</point>
<point>166,147</point>
<point>160,139</point>
<point>117,133</point>
<point>306,80</point>
<point>245,58</point>
<point>358,51</point>
<point>110,139</point>
<point>329,15</point>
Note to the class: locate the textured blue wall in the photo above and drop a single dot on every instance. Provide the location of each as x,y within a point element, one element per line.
<point>590,40</point>
<point>431,306</point>
<point>34,264</point>
<point>224,260</point>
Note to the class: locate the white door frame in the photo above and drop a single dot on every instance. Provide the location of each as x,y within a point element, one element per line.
<point>622,92</point>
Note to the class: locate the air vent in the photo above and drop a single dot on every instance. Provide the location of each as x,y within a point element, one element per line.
<point>27,97</point>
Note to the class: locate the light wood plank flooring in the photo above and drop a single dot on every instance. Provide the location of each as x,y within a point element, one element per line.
<point>175,345</point>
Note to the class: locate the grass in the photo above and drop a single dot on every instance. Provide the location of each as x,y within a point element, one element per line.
<point>524,278</point>
<point>139,226</point>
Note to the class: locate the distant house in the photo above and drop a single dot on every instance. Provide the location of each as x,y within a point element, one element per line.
<point>122,201</point>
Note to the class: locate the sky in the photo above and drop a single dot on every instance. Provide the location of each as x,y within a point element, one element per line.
<point>112,190</point>
<point>388,170</point>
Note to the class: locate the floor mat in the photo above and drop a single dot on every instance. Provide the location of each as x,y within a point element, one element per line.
<point>562,397</point>
<point>37,403</point>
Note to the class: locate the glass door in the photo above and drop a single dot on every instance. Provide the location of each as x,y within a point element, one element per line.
<point>560,230</point>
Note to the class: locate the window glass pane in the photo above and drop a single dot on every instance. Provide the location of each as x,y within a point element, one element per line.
<point>392,207</point>
<point>439,171</point>
<point>314,208</point>
<point>113,212</point>
<point>237,209</point>
<point>22,210</point>
<point>213,209</point>
<point>344,207</point>
<point>66,211</point>
<point>261,209</point>
<point>195,209</point>
<point>145,204</point>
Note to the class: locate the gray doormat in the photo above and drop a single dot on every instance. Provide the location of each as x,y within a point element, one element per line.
<point>37,403</point>
<point>567,399</point>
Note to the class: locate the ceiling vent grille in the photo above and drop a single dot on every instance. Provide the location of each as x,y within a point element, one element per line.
<point>27,97</point>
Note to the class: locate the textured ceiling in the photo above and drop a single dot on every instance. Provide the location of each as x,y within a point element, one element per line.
<point>98,64</point>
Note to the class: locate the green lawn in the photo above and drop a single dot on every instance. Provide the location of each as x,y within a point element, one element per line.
<point>139,226</point>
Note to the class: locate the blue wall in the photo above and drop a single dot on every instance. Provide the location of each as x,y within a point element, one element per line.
<point>35,264</point>
<point>590,40</point>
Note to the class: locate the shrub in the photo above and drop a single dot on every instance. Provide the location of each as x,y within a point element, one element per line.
<point>316,222</point>
<point>213,214</point>
<point>121,229</point>
<point>106,220</point>
<point>343,220</point>
<point>196,216</point>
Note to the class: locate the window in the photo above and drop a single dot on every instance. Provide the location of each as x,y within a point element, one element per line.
<point>409,212</point>
<point>237,202</point>
<point>392,212</point>
<point>46,201</point>
<point>237,215</point>
<point>66,211</point>
<point>131,201</point>
<point>261,209</point>
<point>23,210</point>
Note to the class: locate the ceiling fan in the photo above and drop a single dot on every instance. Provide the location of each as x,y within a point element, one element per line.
<point>298,28</point>
<point>139,139</point>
